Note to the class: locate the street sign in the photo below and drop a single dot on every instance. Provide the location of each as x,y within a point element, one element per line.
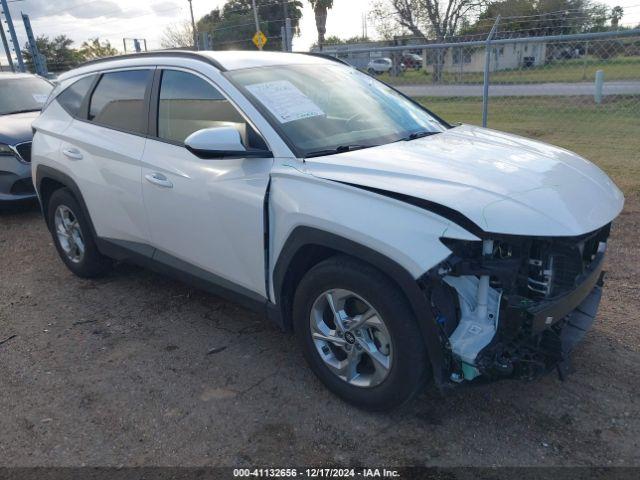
<point>259,39</point>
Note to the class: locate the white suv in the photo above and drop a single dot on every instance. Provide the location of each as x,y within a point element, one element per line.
<point>396,246</point>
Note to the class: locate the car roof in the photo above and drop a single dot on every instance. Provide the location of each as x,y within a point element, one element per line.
<point>223,60</point>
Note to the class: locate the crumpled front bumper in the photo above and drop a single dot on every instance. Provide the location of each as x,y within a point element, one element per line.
<point>539,338</point>
<point>578,323</point>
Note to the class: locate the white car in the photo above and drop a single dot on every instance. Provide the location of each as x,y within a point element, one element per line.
<point>398,247</point>
<point>382,65</point>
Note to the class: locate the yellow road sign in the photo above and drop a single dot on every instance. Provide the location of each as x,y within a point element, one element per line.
<point>259,39</point>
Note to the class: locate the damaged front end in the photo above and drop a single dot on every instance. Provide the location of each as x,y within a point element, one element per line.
<point>512,306</point>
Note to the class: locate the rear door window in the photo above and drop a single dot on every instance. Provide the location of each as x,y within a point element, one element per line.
<point>118,100</point>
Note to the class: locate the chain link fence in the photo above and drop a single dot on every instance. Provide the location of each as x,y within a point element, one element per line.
<point>579,91</point>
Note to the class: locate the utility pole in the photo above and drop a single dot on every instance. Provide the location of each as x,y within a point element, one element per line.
<point>37,58</point>
<point>193,27</point>
<point>255,17</point>
<point>12,34</point>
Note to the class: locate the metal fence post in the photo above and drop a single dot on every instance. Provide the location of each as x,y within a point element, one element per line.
<point>12,34</point>
<point>487,65</point>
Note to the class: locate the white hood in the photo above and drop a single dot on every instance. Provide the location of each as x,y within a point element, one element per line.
<point>503,183</point>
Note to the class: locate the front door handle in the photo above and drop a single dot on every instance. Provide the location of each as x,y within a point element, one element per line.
<point>158,179</point>
<point>72,153</point>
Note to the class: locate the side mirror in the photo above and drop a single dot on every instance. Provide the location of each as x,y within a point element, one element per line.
<point>220,142</point>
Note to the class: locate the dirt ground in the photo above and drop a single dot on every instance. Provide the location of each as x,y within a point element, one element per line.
<point>117,372</point>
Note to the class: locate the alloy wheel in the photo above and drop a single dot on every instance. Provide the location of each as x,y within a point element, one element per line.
<point>69,233</point>
<point>351,338</point>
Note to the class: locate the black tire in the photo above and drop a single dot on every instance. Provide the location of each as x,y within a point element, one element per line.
<point>409,368</point>
<point>371,71</point>
<point>92,264</point>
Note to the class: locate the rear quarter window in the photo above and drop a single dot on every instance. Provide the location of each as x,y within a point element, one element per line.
<point>72,97</point>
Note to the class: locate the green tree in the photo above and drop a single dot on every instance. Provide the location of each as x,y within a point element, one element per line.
<point>233,25</point>
<point>616,14</point>
<point>58,53</point>
<point>335,40</point>
<point>93,48</point>
<point>541,17</point>
<point>320,9</point>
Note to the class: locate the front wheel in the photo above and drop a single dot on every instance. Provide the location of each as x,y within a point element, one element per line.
<point>359,335</point>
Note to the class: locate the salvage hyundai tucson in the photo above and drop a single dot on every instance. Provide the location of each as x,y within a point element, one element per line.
<point>398,248</point>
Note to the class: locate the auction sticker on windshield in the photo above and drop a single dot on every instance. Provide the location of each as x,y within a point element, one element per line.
<point>40,97</point>
<point>285,101</point>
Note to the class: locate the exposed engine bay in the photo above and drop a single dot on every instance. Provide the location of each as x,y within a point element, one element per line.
<point>515,306</point>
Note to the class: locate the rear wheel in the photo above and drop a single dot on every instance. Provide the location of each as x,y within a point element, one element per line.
<point>72,236</point>
<point>359,334</point>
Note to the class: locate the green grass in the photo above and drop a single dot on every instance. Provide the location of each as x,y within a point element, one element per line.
<point>607,134</point>
<point>576,70</point>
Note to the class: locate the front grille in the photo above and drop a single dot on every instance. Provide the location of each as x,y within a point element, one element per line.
<point>24,150</point>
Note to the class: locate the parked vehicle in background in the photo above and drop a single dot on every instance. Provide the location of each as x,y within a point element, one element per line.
<point>398,247</point>
<point>382,65</point>
<point>22,96</point>
<point>412,61</point>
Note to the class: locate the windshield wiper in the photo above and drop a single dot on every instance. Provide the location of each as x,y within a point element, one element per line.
<point>26,110</point>
<point>415,135</point>
<point>338,149</point>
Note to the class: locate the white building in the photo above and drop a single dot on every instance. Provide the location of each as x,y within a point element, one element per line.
<point>472,59</point>
<point>456,59</point>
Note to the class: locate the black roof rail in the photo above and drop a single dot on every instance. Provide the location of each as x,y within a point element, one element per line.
<point>326,56</point>
<point>159,53</point>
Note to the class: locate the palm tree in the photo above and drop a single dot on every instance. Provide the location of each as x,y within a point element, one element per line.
<point>320,8</point>
<point>616,15</point>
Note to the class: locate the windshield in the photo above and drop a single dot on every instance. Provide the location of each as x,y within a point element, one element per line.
<point>320,109</point>
<point>23,94</point>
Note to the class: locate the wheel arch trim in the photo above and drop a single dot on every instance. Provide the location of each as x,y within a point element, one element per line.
<point>304,236</point>
<point>44,172</point>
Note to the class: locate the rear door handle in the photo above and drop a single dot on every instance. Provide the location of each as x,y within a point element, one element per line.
<point>72,153</point>
<point>158,179</point>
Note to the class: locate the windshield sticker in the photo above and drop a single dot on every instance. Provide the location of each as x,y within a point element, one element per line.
<point>285,101</point>
<point>39,97</point>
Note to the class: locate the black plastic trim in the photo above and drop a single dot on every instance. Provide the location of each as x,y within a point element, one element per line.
<point>154,104</point>
<point>43,172</point>
<point>161,262</point>
<point>166,264</point>
<point>229,154</point>
<point>307,236</point>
